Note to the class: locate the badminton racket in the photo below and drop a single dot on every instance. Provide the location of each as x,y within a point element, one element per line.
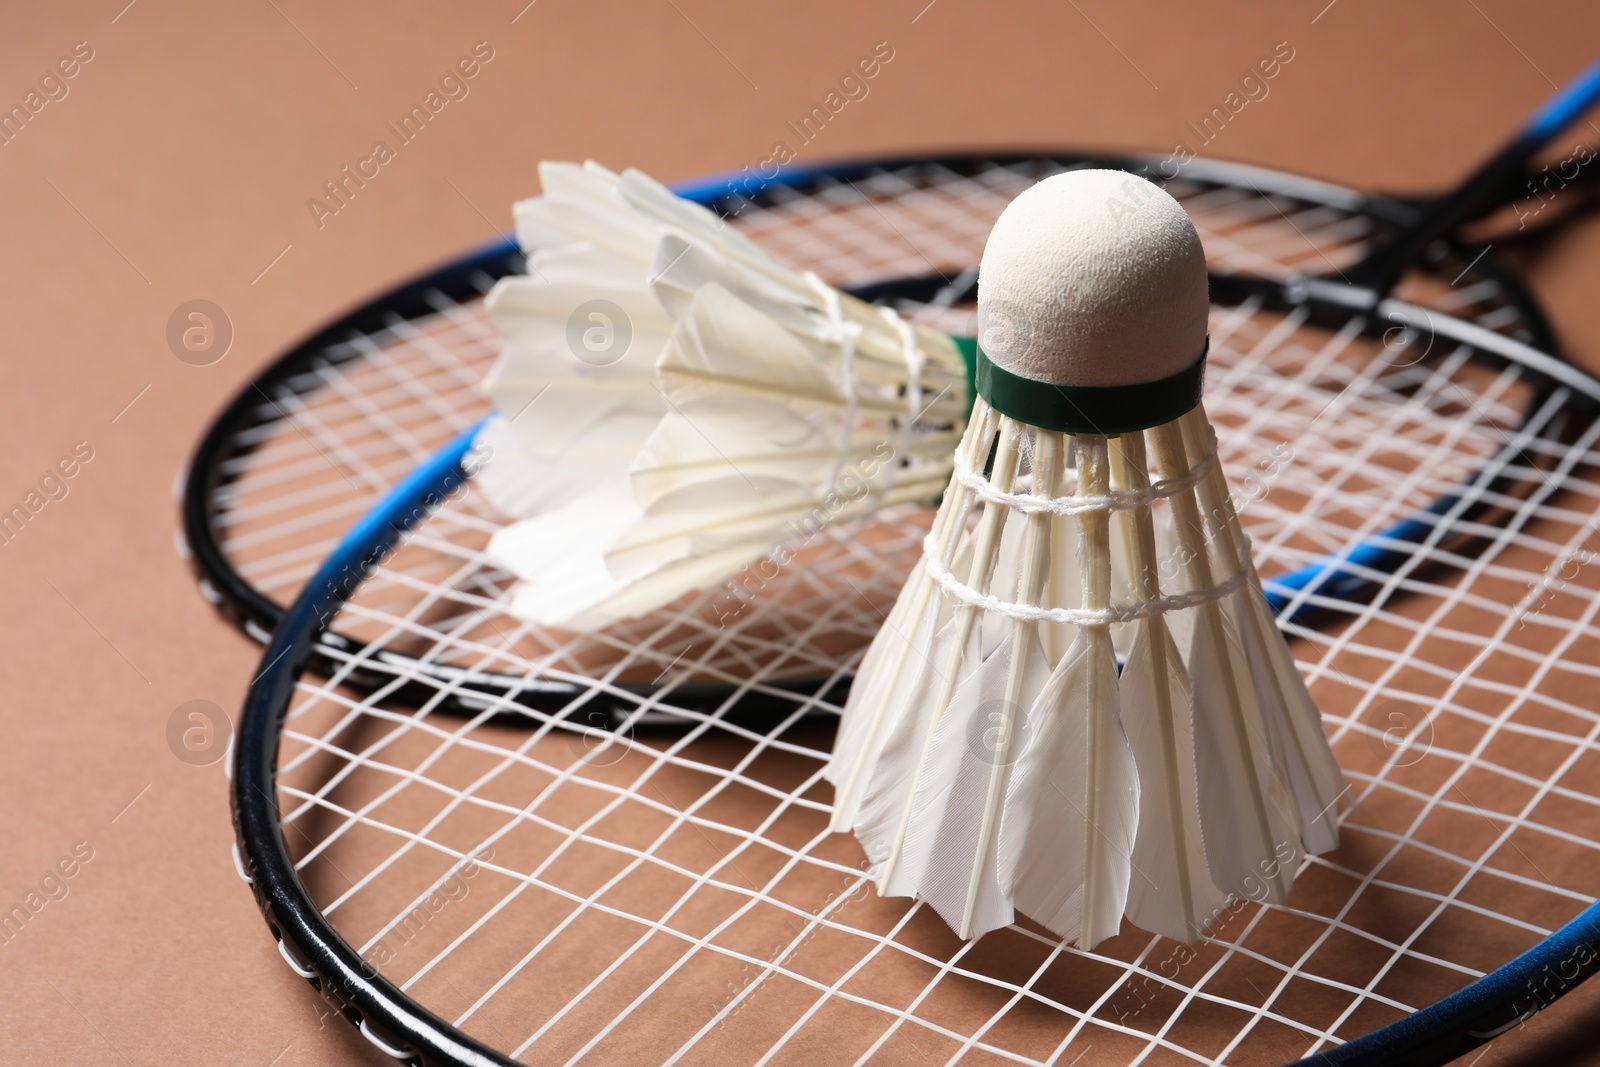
<point>313,442</point>
<point>475,877</point>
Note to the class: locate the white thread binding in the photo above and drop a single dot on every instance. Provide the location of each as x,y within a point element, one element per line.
<point>915,361</point>
<point>1116,500</point>
<point>955,587</point>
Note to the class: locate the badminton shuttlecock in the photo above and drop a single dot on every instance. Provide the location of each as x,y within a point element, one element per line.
<point>993,758</point>
<point>674,403</point>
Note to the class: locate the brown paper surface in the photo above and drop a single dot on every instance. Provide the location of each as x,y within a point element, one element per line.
<point>177,166</point>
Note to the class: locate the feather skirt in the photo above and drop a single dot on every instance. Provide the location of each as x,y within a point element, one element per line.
<point>1080,709</point>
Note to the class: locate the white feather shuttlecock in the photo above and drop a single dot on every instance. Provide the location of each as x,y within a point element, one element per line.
<point>992,759</point>
<point>674,403</point>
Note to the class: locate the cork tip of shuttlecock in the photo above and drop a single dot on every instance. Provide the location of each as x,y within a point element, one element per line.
<point>1093,278</point>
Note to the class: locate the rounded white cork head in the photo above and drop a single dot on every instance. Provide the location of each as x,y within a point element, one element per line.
<point>1093,277</point>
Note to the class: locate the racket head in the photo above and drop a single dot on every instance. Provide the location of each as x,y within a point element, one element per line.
<point>472,875</point>
<point>312,443</point>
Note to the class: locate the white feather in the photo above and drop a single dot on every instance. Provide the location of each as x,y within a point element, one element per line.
<point>950,852</point>
<point>883,697</point>
<point>1251,834</point>
<point>901,827</point>
<point>723,344</point>
<point>1071,863</point>
<point>997,723</point>
<point>1170,891</point>
<point>1289,716</point>
<point>580,423</point>
<point>576,423</point>
<point>680,269</point>
<point>1294,726</point>
<point>565,533</point>
<point>504,474</point>
<point>1073,809</point>
<point>899,666</point>
<point>889,794</point>
<point>653,201</point>
<point>586,595</point>
<point>582,202</point>
<point>1247,811</point>
<point>580,263</point>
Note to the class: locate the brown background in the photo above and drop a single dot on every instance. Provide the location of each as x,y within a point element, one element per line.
<point>178,167</point>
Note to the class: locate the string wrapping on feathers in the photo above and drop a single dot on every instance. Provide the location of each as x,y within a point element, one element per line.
<point>674,403</point>
<point>1080,708</point>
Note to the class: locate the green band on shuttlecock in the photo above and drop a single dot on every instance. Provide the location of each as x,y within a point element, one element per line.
<point>1091,409</point>
<point>968,348</point>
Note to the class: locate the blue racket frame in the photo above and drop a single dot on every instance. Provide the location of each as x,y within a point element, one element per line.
<point>1502,999</point>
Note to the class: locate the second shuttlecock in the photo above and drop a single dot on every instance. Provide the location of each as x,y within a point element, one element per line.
<point>1080,708</point>
<point>694,403</point>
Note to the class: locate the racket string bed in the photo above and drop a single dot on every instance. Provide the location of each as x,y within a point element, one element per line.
<point>366,412</point>
<point>1400,950</point>
<point>636,786</point>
